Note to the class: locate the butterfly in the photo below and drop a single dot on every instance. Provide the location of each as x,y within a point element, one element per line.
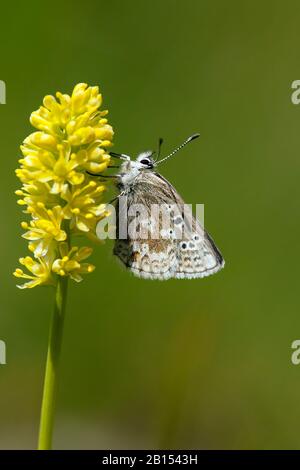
<point>152,249</point>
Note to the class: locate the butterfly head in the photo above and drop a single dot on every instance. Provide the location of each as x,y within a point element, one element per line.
<point>130,169</point>
<point>145,159</point>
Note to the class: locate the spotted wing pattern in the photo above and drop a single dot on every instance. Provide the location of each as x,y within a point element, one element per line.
<point>191,255</point>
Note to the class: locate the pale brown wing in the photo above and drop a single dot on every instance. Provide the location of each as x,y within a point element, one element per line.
<point>165,255</point>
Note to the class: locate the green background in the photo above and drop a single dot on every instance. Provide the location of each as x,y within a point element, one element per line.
<point>175,364</point>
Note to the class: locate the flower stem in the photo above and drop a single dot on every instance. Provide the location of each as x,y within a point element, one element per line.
<point>52,365</point>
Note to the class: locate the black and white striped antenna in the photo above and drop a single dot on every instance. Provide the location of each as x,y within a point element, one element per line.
<point>187,141</point>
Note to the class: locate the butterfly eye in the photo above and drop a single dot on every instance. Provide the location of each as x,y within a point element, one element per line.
<point>145,161</point>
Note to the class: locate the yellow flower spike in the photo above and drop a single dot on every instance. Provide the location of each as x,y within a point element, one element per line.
<point>72,137</point>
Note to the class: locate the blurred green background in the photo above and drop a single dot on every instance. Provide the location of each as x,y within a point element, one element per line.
<point>178,364</point>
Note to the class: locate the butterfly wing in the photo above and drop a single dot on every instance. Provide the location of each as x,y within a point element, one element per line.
<point>153,258</point>
<point>164,256</point>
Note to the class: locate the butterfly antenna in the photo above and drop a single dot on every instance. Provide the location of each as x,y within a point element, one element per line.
<point>187,141</point>
<point>160,142</point>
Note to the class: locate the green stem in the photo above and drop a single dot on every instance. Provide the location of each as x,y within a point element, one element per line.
<point>52,365</point>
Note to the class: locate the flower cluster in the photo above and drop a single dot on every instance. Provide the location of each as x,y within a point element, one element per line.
<point>72,138</point>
